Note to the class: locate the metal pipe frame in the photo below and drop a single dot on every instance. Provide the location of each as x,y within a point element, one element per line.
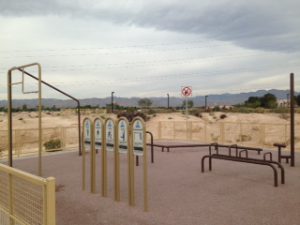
<point>137,163</point>
<point>67,95</point>
<point>151,144</point>
<point>245,160</point>
<point>9,109</point>
<point>167,146</point>
<point>237,147</point>
<point>239,155</point>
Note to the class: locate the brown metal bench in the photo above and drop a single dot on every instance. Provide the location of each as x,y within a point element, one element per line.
<point>246,159</point>
<point>236,148</point>
<point>169,146</point>
<point>280,156</point>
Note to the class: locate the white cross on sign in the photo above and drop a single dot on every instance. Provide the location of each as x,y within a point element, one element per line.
<point>186,91</point>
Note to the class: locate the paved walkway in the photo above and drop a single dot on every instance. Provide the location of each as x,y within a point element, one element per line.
<point>232,194</point>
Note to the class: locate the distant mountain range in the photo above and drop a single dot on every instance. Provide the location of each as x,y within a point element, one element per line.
<point>216,99</point>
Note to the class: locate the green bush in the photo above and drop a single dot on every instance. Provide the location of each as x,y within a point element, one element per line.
<point>53,144</point>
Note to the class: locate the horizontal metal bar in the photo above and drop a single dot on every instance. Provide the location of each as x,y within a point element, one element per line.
<point>16,83</point>
<point>23,175</point>
<point>49,85</point>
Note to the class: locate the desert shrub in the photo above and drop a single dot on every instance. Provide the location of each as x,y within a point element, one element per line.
<point>217,108</point>
<point>53,144</point>
<point>196,112</point>
<point>244,137</point>
<point>281,110</point>
<point>284,116</point>
<point>223,116</point>
<point>130,115</point>
<point>151,111</point>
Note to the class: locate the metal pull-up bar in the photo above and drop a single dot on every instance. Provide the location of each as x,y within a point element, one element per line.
<point>10,84</point>
<point>9,110</point>
<point>66,94</point>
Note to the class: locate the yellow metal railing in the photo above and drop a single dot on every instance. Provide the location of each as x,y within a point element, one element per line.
<point>26,199</point>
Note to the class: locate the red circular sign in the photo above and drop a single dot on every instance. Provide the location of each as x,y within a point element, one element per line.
<point>186,91</point>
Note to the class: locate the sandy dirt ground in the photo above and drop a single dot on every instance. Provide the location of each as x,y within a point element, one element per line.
<point>179,194</point>
<point>26,120</point>
<point>175,125</point>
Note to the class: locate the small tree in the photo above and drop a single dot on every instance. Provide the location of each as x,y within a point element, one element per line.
<point>253,102</point>
<point>190,103</point>
<point>298,100</point>
<point>144,102</point>
<point>24,107</point>
<point>269,101</point>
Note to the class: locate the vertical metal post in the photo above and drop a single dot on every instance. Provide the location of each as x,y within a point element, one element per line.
<point>50,201</point>
<point>40,121</point>
<point>112,101</point>
<point>152,147</point>
<point>83,155</point>
<point>145,170</point>
<point>186,107</point>
<point>79,128</point>
<point>168,100</point>
<point>117,163</point>
<point>132,180</point>
<point>129,152</point>
<point>206,102</point>
<point>292,120</point>
<point>93,158</point>
<point>9,118</point>
<point>104,162</point>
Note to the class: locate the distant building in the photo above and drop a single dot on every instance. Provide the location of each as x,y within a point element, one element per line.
<point>283,103</point>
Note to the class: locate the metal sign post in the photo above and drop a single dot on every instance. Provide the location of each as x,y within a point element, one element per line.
<point>186,92</point>
<point>96,142</point>
<point>86,145</point>
<point>138,128</point>
<point>123,148</point>
<point>108,146</point>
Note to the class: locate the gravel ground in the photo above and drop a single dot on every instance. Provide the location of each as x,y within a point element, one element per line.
<point>179,194</point>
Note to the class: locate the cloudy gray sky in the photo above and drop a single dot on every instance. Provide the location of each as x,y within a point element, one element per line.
<point>149,48</point>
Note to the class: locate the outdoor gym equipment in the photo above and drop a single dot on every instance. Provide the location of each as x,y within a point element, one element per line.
<point>39,92</point>
<point>291,156</point>
<point>236,147</point>
<point>151,144</point>
<point>169,146</point>
<point>239,158</point>
<point>118,137</point>
<point>9,109</point>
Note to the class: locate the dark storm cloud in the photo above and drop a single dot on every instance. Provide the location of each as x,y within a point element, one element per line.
<point>265,25</point>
